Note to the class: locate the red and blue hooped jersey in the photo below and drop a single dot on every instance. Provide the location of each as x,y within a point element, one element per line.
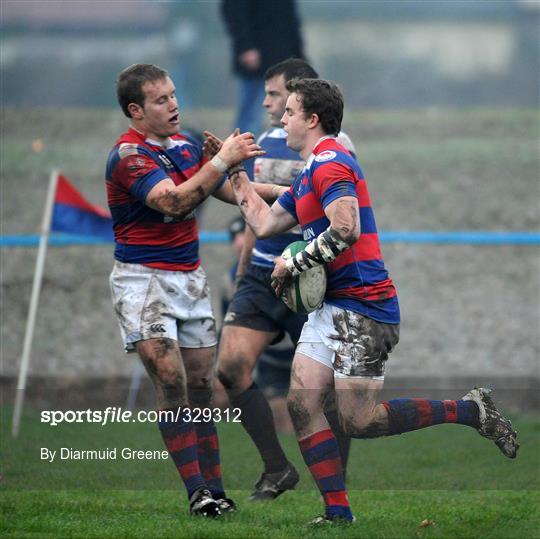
<point>144,235</point>
<point>357,278</point>
<point>280,165</point>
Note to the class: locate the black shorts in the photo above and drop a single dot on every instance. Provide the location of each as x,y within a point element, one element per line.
<point>255,306</point>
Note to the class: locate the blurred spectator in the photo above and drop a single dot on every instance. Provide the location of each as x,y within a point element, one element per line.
<point>263,33</point>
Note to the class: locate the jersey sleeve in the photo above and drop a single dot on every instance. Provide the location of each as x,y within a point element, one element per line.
<point>137,172</point>
<point>333,180</point>
<point>287,201</point>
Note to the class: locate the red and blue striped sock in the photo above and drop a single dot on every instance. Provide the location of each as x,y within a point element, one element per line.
<point>181,441</point>
<point>405,415</point>
<point>321,454</point>
<point>209,461</point>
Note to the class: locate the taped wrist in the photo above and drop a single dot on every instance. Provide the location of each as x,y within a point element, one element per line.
<point>219,164</point>
<point>326,247</point>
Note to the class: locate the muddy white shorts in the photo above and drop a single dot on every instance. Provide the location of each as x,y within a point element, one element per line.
<point>152,304</point>
<point>347,342</point>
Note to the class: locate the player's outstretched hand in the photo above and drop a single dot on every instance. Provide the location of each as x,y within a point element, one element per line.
<point>281,276</point>
<point>238,147</point>
<point>211,145</point>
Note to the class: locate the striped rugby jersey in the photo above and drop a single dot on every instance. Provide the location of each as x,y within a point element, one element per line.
<point>280,165</point>
<point>357,278</point>
<point>144,235</point>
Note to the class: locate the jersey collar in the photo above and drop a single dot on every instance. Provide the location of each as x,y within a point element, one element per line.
<point>166,145</point>
<point>316,149</point>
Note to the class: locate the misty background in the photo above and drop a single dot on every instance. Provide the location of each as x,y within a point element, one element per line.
<point>392,53</point>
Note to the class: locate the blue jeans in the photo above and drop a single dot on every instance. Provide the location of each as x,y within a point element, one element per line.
<point>250,109</point>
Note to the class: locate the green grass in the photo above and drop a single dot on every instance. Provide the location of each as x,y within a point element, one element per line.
<point>448,475</point>
<point>386,514</point>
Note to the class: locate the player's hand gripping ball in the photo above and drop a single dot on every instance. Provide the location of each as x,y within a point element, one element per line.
<point>306,292</point>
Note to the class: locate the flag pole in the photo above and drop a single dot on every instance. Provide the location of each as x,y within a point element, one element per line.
<point>34,300</point>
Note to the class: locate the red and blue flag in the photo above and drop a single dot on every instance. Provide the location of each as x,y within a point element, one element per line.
<point>73,214</point>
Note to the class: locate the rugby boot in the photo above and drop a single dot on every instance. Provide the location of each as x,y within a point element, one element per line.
<point>493,425</point>
<point>226,506</point>
<point>202,504</point>
<point>271,485</point>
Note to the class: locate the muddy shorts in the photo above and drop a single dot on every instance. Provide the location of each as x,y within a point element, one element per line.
<point>347,342</point>
<point>153,304</point>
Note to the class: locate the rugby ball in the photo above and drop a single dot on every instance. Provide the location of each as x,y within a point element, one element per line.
<point>306,292</point>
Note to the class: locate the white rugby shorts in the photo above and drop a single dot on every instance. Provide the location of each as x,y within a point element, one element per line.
<point>152,303</point>
<point>348,342</point>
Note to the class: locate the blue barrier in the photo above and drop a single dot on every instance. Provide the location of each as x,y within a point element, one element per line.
<point>65,240</point>
<point>467,237</point>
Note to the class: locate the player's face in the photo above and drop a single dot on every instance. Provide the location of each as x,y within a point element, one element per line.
<point>160,113</point>
<point>295,123</point>
<point>275,98</point>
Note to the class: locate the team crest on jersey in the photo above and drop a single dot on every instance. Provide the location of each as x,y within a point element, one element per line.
<point>325,156</point>
<point>136,164</point>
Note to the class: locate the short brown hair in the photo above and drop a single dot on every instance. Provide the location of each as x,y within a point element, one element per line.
<point>292,68</point>
<point>131,80</point>
<point>320,97</point>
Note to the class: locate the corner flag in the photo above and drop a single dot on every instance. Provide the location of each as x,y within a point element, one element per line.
<point>73,214</point>
<point>66,210</point>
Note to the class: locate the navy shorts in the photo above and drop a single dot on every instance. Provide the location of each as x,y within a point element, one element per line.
<point>255,306</point>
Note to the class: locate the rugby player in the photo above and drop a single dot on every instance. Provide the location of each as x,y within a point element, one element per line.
<point>155,180</point>
<point>257,319</point>
<point>345,344</point>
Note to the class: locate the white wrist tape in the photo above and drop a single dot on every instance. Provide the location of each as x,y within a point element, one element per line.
<point>219,164</point>
<point>326,247</point>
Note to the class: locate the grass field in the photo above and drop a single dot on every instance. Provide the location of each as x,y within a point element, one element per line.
<point>448,476</point>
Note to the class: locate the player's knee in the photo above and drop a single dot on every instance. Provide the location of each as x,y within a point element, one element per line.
<point>227,376</point>
<point>233,374</point>
<point>161,359</point>
<point>170,376</point>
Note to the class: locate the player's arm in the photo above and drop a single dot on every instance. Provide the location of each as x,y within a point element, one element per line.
<point>344,231</point>
<point>180,200</point>
<point>264,220</point>
<point>268,192</point>
<point>344,217</point>
<point>245,255</point>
